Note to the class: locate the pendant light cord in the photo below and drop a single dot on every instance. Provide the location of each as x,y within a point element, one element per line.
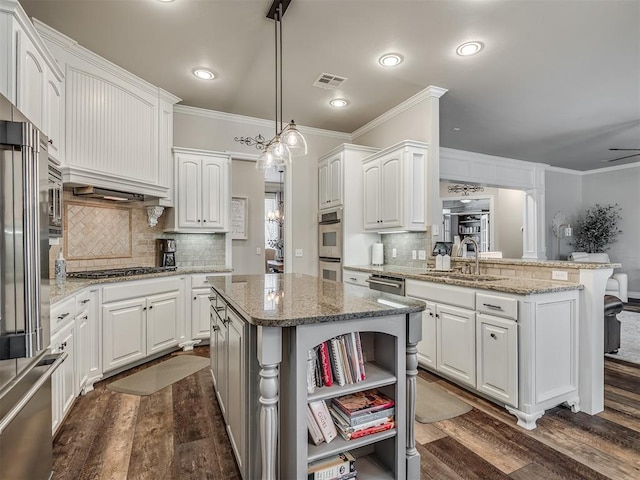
<point>281,77</point>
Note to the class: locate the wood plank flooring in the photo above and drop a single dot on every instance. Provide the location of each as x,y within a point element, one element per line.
<point>178,433</point>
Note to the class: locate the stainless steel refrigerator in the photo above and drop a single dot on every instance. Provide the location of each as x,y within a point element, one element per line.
<point>25,363</point>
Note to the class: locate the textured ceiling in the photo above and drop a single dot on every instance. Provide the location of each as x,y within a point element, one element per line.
<point>558,81</point>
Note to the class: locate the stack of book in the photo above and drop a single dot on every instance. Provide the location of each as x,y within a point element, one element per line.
<point>321,427</point>
<point>337,467</point>
<point>362,413</point>
<point>338,360</point>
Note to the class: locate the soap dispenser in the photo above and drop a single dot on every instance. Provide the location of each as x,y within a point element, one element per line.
<point>60,267</point>
<point>439,260</point>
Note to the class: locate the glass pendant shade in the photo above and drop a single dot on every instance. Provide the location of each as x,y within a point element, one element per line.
<point>267,160</point>
<point>280,152</point>
<point>292,137</point>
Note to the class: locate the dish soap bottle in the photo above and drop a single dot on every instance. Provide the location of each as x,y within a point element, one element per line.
<point>446,262</point>
<point>60,267</point>
<point>439,260</point>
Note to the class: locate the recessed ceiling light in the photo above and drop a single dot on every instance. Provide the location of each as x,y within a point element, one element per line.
<point>456,129</point>
<point>203,73</point>
<point>339,103</point>
<point>465,200</point>
<point>390,59</point>
<point>469,48</point>
<point>167,1</point>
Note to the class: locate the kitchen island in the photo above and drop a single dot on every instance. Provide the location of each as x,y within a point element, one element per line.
<point>263,327</point>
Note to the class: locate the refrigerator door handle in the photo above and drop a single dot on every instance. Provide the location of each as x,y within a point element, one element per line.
<point>17,408</point>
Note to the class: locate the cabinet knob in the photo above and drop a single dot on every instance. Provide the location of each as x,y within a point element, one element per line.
<point>198,220</point>
<point>144,308</point>
<point>195,298</point>
<point>204,221</point>
<point>150,307</point>
<point>437,315</point>
<point>431,314</point>
<point>493,335</point>
<point>50,141</point>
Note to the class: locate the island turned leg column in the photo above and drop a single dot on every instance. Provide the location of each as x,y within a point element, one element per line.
<point>269,356</point>
<point>414,335</point>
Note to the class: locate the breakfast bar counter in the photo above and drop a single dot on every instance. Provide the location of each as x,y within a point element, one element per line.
<point>263,328</point>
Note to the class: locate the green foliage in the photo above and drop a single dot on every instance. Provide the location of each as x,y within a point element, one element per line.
<point>597,228</point>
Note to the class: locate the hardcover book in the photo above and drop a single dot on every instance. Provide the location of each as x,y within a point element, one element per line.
<point>325,365</point>
<point>338,466</point>
<point>367,417</point>
<point>345,426</point>
<point>338,369</point>
<point>360,403</point>
<point>314,430</point>
<point>323,418</point>
<point>367,431</point>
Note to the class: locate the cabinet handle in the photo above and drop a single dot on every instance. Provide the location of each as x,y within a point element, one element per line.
<point>353,278</point>
<point>494,307</point>
<point>216,328</point>
<point>86,317</point>
<point>86,300</point>
<point>493,335</point>
<point>64,315</point>
<point>431,314</point>
<point>50,141</point>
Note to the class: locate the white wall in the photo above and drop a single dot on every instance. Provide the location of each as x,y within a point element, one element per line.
<point>622,186</point>
<point>248,182</point>
<point>198,128</point>
<point>563,194</point>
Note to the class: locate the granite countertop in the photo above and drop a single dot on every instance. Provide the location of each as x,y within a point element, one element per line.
<point>538,263</point>
<point>59,290</point>
<point>520,286</point>
<point>291,299</point>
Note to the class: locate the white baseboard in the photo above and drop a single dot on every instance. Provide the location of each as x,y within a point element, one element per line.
<point>634,295</point>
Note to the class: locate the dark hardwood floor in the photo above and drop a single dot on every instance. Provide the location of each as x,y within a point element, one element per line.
<point>177,433</point>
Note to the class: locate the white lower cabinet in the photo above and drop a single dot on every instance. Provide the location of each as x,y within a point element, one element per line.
<point>427,347</point>
<point>456,343</point>
<point>124,333</point>
<point>200,316</point>
<point>63,380</point>
<point>229,370</point>
<point>497,358</point>
<point>163,311</point>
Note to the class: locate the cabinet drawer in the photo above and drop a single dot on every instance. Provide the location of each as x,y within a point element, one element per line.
<point>140,289</point>
<point>62,312</point>
<point>497,305</point>
<point>82,300</point>
<point>200,280</point>
<point>355,278</point>
<point>442,293</point>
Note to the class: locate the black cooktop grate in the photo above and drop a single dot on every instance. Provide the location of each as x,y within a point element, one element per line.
<point>120,272</point>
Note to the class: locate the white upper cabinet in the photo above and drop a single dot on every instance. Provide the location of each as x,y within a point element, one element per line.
<point>117,128</point>
<point>330,184</point>
<point>395,188</point>
<point>29,75</point>
<point>202,192</point>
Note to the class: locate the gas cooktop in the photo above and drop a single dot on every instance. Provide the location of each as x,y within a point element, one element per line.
<point>120,272</point>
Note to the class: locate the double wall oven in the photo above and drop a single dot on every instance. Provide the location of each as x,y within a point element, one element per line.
<point>330,244</point>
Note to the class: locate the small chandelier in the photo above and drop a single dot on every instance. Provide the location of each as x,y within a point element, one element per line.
<point>465,189</point>
<point>288,141</point>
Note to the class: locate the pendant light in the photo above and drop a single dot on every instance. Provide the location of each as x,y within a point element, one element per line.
<point>288,141</point>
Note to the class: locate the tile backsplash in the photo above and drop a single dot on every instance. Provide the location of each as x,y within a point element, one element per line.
<point>405,243</point>
<point>100,234</point>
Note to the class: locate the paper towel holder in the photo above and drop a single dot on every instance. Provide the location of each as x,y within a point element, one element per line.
<point>377,254</point>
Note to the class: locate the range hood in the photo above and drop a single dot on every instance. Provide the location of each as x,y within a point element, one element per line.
<point>107,194</point>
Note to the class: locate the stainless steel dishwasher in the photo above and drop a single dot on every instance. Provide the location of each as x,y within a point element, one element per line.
<point>386,283</point>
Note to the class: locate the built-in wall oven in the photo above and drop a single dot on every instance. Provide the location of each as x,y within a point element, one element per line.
<point>330,244</point>
<point>55,200</point>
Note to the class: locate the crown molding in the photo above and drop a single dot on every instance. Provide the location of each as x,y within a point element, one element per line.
<point>253,121</point>
<point>429,92</point>
<point>611,169</point>
<point>568,171</point>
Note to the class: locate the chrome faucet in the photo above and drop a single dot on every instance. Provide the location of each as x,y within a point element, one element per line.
<point>466,240</point>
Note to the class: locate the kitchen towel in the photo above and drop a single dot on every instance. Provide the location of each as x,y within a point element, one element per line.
<point>377,256</point>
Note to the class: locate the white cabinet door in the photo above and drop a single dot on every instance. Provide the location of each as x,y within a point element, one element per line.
<point>391,190</point>
<point>497,358</point>
<point>372,195</point>
<point>213,193</point>
<point>67,344</point>
<point>456,343</point>
<point>427,347</point>
<point>221,361</point>
<point>82,349</point>
<point>335,185</point>
<point>31,79</point>
<point>323,184</point>
<point>163,313</point>
<point>200,314</point>
<point>236,394</point>
<point>124,332</point>
<point>215,345</point>
<point>54,121</point>
<point>189,194</point>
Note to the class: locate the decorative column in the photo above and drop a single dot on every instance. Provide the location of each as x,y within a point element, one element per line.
<point>414,335</point>
<point>269,356</point>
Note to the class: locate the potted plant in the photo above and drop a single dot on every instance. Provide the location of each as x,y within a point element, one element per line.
<point>597,228</point>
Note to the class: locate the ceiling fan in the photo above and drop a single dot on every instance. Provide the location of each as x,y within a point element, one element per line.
<point>623,150</point>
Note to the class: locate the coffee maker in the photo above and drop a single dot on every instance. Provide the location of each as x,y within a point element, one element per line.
<point>167,252</point>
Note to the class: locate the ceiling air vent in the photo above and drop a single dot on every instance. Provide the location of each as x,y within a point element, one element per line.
<point>329,81</point>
